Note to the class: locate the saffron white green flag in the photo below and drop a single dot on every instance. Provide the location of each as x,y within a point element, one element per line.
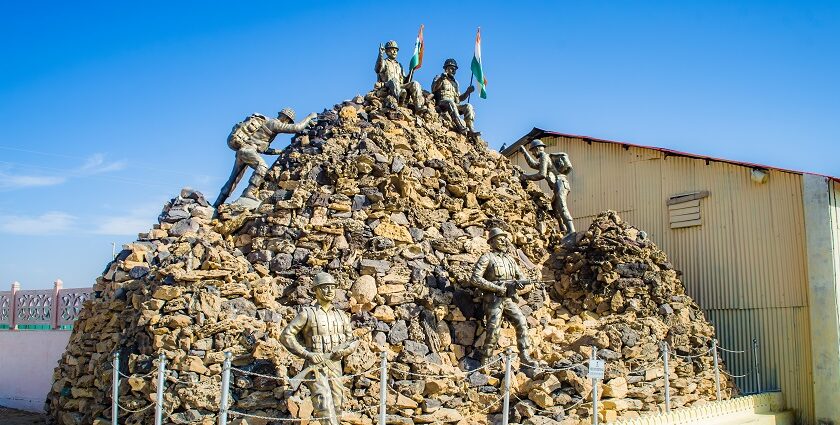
<point>475,66</point>
<point>417,59</point>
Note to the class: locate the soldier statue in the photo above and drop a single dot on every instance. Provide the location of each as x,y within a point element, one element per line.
<point>498,276</point>
<point>448,97</point>
<point>251,138</point>
<point>553,168</point>
<point>322,336</point>
<point>390,74</point>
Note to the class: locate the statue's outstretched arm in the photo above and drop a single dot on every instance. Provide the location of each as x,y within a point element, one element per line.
<point>528,158</point>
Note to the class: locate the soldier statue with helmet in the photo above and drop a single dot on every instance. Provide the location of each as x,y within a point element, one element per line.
<point>553,168</point>
<point>390,74</point>
<point>322,336</point>
<point>499,277</point>
<point>253,137</point>
<point>448,97</point>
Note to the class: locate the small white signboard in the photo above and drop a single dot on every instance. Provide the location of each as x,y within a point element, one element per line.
<point>596,369</point>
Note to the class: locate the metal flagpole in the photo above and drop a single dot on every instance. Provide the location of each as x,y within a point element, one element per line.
<point>383,389</point>
<point>667,377</point>
<point>115,389</point>
<point>223,404</point>
<point>159,402</point>
<point>717,369</point>
<point>506,405</point>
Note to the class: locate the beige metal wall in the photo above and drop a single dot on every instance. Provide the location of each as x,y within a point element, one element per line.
<point>834,209</point>
<point>745,265</point>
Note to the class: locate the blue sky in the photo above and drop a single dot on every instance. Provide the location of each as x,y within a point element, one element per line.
<point>108,109</point>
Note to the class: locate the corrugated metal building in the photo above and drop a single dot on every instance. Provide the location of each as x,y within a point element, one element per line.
<point>759,248</point>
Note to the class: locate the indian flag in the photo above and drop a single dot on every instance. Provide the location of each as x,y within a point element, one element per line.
<point>417,59</point>
<point>475,66</point>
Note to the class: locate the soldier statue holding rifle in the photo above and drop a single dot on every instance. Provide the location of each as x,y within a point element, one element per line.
<point>497,275</point>
<point>390,74</point>
<point>321,334</point>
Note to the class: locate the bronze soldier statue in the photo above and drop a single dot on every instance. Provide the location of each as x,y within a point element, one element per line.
<point>251,138</point>
<point>321,335</point>
<point>553,168</point>
<point>449,97</point>
<point>389,73</point>
<point>499,277</point>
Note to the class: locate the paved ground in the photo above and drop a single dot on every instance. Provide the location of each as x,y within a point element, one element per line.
<point>19,417</point>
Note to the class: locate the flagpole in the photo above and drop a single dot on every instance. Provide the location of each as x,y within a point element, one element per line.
<point>471,81</point>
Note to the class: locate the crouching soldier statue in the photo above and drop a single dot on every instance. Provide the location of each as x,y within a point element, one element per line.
<point>449,98</point>
<point>322,336</point>
<point>250,139</point>
<point>498,276</point>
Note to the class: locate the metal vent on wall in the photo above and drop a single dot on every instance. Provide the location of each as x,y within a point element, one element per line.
<point>684,209</point>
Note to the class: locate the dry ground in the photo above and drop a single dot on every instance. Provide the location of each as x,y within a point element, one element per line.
<point>19,417</point>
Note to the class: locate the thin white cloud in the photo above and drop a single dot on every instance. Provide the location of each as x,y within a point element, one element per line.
<point>49,223</point>
<point>95,164</point>
<point>10,181</point>
<point>132,222</point>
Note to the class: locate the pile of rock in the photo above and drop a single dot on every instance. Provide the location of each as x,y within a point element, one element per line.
<point>396,206</point>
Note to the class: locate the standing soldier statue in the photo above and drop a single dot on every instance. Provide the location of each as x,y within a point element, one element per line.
<point>553,168</point>
<point>249,139</point>
<point>499,277</point>
<point>449,98</point>
<point>321,335</point>
<point>390,74</point>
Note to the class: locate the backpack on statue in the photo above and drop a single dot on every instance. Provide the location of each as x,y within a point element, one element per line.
<point>244,130</point>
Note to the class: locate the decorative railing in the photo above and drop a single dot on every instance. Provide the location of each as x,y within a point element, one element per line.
<point>55,308</point>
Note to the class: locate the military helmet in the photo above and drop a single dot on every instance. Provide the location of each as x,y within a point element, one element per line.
<point>495,232</point>
<point>450,62</point>
<point>536,143</point>
<point>392,44</point>
<point>288,112</point>
<point>323,278</point>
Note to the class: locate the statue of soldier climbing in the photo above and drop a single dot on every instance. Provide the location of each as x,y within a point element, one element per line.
<point>250,139</point>
<point>500,279</point>
<point>322,336</point>
<point>553,168</point>
<point>448,98</point>
<point>389,73</point>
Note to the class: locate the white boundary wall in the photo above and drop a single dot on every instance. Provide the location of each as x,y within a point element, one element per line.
<point>27,360</point>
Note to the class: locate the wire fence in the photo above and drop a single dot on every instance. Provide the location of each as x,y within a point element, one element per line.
<point>595,371</point>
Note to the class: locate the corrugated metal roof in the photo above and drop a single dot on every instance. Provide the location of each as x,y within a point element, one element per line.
<point>536,133</point>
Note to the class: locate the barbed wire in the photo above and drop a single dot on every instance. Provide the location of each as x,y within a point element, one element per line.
<point>551,369</point>
<point>691,356</point>
<point>734,376</point>
<point>135,375</point>
<point>486,408</point>
<point>564,409</point>
<point>316,418</point>
<point>134,411</point>
<point>281,378</point>
<point>645,367</point>
<point>732,351</point>
<point>460,373</point>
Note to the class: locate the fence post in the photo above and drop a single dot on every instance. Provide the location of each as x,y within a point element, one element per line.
<point>115,389</point>
<point>383,389</point>
<point>594,356</point>
<point>755,365</point>
<point>56,307</point>
<point>506,403</point>
<point>717,369</point>
<point>159,402</point>
<point>665,354</point>
<point>14,312</point>
<point>223,405</point>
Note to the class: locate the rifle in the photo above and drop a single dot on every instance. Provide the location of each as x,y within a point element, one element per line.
<point>511,286</point>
